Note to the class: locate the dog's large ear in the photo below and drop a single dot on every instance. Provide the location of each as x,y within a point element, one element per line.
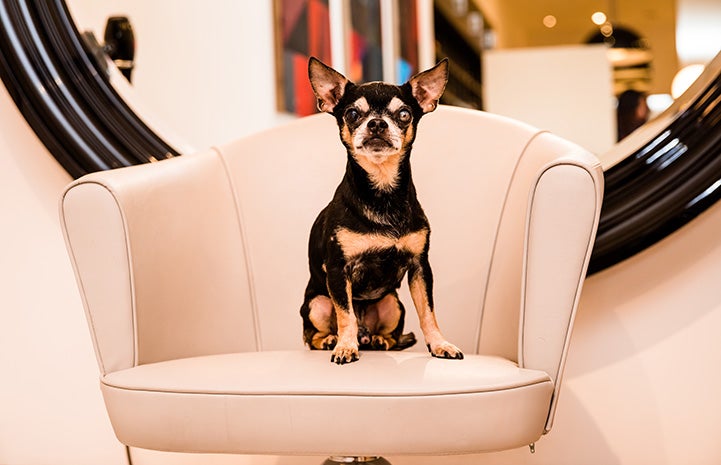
<point>428,86</point>
<point>328,84</point>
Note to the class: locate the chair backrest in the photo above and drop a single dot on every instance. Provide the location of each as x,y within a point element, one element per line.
<point>208,253</point>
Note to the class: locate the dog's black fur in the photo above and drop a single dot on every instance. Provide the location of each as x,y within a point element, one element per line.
<point>374,230</point>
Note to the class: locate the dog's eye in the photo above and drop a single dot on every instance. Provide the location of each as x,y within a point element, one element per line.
<point>404,115</point>
<point>352,115</point>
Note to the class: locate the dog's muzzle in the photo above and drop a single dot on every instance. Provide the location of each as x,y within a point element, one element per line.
<point>376,143</point>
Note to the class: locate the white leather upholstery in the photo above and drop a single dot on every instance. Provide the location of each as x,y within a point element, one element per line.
<point>272,402</point>
<point>192,272</point>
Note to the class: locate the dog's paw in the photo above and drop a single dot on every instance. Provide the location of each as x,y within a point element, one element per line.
<point>321,342</point>
<point>445,349</point>
<point>344,353</point>
<point>329,342</point>
<point>381,343</point>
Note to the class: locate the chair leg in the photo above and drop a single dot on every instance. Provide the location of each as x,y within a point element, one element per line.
<point>335,460</point>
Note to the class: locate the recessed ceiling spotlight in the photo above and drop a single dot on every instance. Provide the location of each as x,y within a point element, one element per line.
<point>598,18</point>
<point>549,21</point>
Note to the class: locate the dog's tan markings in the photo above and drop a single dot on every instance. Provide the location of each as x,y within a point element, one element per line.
<point>324,341</point>
<point>346,348</point>
<point>437,344</point>
<point>395,104</point>
<point>388,317</point>
<point>408,136</point>
<point>383,173</point>
<point>353,243</point>
<point>346,135</point>
<point>321,309</point>
<point>414,242</point>
<point>362,105</point>
<point>321,314</point>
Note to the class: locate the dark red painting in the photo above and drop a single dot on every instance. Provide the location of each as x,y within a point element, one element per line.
<point>303,30</point>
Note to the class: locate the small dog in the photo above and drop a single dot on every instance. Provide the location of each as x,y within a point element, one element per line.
<point>374,230</point>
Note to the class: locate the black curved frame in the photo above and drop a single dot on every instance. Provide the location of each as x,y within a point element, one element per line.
<point>64,93</point>
<point>61,87</point>
<point>667,181</point>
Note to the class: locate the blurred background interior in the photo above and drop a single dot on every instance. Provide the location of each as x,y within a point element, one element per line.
<point>642,386</point>
<point>210,72</point>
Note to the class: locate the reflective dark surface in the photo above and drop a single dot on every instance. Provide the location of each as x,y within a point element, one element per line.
<point>65,95</point>
<point>665,183</point>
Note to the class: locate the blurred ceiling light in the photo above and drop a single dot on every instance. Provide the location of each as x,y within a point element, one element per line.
<point>617,37</point>
<point>474,21</point>
<point>549,21</point>
<point>598,18</point>
<point>629,54</point>
<point>629,57</point>
<point>657,103</point>
<point>460,7</point>
<point>607,30</point>
<point>684,78</point>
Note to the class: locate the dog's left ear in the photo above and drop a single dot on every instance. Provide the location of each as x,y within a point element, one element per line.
<point>428,86</point>
<point>328,84</point>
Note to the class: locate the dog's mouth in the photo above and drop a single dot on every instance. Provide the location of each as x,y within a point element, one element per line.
<point>376,144</point>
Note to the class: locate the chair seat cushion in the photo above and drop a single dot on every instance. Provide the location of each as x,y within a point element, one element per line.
<point>298,402</point>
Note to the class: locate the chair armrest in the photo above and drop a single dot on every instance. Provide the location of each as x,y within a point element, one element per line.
<point>564,208</point>
<point>159,259</point>
<point>92,221</point>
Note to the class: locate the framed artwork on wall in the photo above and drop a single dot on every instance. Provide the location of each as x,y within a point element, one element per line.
<point>407,62</point>
<point>302,30</point>
<point>367,40</point>
<point>365,47</point>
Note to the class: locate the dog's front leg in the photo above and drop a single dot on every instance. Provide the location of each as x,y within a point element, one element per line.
<point>340,290</point>
<point>420,281</point>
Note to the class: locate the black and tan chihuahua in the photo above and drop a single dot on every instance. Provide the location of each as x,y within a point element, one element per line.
<point>374,230</point>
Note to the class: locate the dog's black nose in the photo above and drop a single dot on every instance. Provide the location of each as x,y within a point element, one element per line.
<point>377,125</point>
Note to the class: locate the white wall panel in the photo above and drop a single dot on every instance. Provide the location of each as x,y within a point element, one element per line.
<point>51,410</point>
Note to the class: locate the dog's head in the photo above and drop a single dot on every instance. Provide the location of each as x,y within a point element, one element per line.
<point>377,120</point>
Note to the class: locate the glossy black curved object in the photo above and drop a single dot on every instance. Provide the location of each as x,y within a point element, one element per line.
<point>64,93</point>
<point>67,98</point>
<point>666,182</point>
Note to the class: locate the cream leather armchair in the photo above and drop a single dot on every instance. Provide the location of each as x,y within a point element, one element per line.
<point>192,272</point>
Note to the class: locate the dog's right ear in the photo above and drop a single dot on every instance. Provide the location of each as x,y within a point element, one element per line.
<point>328,84</point>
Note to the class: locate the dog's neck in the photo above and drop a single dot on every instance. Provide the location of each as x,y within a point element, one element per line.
<point>385,206</point>
<point>392,178</point>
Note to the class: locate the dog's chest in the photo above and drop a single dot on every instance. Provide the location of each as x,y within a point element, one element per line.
<point>353,243</point>
<point>376,262</point>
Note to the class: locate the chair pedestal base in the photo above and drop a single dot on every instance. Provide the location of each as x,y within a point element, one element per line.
<point>363,460</point>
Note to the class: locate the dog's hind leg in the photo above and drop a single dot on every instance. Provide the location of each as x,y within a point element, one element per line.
<point>389,316</point>
<point>320,328</point>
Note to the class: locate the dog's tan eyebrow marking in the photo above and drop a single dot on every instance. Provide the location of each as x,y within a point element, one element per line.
<point>395,104</point>
<point>353,243</point>
<point>362,105</point>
